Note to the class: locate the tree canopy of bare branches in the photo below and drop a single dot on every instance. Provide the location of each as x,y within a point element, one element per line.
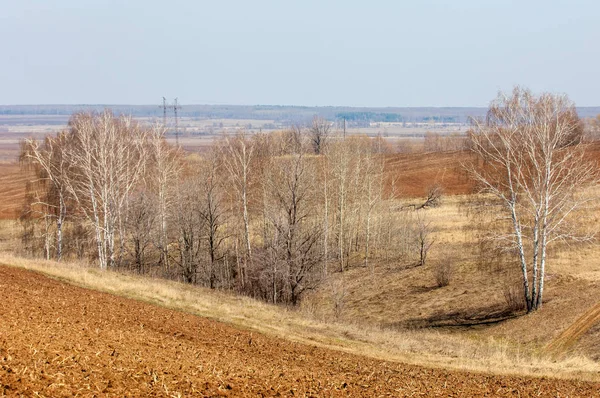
<point>257,213</point>
<point>319,134</point>
<point>531,159</point>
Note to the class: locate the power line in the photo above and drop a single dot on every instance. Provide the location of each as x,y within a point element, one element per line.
<point>176,107</point>
<point>164,106</point>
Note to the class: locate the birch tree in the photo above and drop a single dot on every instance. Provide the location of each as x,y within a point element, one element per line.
<point>164,171</point>
<point>340,163</point>
<point>238,154</point>
<point>51,166</point>
<point>532,161</point>
<point>107,159</point>
<point>373,186</point>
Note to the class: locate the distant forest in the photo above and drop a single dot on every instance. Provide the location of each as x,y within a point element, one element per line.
<point>283,114</point>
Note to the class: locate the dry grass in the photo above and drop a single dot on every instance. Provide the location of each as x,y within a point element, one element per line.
<point>473,307</point>
<point>424,347</point>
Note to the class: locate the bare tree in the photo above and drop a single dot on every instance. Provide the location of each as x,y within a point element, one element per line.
<point>190,225</point>
<point>295,139</point>
<point>422,235</point>
<point>323,165</point>
<point>238,154</point>
<point>107,158</point>
<point>164,169</point>
<point>319,134</point>
<point>340,163</point>
<point>141,220</point>
<point>50,163</point>
<point>532,161</point>
<point>291,186</point>
<point>372,194</point>
<point>434,197</point>
<point>212,213</point>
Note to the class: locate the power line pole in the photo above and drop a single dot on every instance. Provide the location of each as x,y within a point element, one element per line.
<point>164,106</point>
<point>175,108</point>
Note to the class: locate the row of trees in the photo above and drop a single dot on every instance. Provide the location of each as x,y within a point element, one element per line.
<point>269,214</point>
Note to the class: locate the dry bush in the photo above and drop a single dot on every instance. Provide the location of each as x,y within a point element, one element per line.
<point>443,270</point>
<point>512,289</point>
<point>338,297</point>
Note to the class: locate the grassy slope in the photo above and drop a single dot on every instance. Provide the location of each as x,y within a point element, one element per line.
<point>425,347</point>
<point>374,319</point>
<point>402,297</point>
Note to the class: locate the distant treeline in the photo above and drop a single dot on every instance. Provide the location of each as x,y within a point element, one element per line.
<point>279,113</point>
<point>374,117</point>
<point>370,117</point>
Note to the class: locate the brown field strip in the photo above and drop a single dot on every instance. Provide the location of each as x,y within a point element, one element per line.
<point>60,340</point>
<point>12,190</point>
<point>415,172</point>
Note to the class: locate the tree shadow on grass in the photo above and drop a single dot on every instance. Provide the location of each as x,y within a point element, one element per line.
<point>472,318</point>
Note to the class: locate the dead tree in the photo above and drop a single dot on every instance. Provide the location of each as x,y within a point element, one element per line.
<point>434,197</point>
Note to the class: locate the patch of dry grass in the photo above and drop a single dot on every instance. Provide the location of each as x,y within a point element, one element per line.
<point>424,347</point>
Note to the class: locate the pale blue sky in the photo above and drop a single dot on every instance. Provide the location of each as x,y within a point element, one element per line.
<point>356,53</point>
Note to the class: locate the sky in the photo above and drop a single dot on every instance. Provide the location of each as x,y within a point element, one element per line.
<point>308,52</point>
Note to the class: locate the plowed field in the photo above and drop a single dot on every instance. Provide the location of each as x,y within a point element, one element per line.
<point>60,340</point>
<point>12,190</point>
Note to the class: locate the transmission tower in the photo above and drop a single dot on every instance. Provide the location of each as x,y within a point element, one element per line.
<point>176,107</point>
<point>164,106</point>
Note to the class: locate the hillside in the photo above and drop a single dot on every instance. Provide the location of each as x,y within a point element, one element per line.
<point>402,296</point>
<point>398,308</point>
<point>416,172</point>
<point>90,343</point>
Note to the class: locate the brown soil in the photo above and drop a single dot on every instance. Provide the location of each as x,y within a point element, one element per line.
<point>13,183</point>
<point>60,340</point>
<point>416,172</point>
